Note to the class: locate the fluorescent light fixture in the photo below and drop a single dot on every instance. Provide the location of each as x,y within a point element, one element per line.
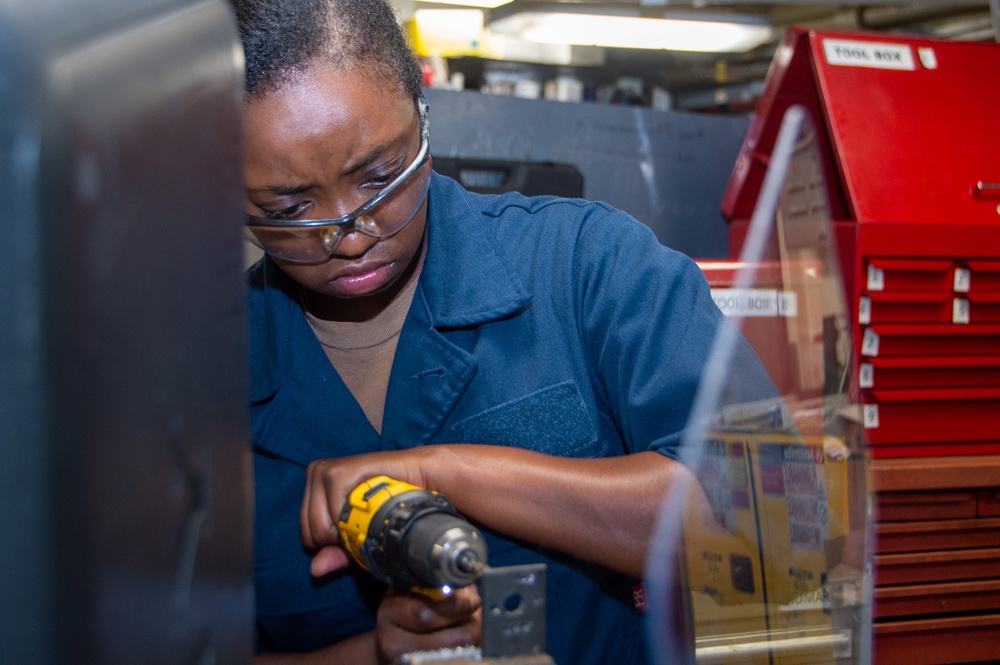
<point>505,47</point>
<point>482,4</point>
<point>614,30</point>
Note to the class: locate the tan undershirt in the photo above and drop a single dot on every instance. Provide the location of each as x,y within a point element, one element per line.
<point>362,353</point>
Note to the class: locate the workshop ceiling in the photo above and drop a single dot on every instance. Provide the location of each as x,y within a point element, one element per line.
<point>958,19</point>
<point>683,72</point>
<point>971,21</point>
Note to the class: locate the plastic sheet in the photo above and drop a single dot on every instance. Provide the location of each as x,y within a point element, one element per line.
<point>760,556</point>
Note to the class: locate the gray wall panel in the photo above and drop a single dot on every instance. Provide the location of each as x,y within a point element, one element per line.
<point>667,169</point>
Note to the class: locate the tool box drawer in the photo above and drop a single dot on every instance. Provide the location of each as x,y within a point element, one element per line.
<point>929,307</point>
<point>922,567</point>
<point>930,474</point>
<point>930,371</point>
<point>935,535</point>
<point>934,450</point>
<point>911,339</point>
<point>946,415</point>
<point>989,502</point>
<point>944,598</point>
<point>923,506</point>
<point>911,307</point>
<point>977,308</point>
<point>938,641</point>
<point>984,275</point>
<point>901,274</point>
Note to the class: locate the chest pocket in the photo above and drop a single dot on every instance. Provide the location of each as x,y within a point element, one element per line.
<point>553,420</point>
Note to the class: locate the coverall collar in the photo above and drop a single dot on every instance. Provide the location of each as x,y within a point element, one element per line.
<point>466,281</point>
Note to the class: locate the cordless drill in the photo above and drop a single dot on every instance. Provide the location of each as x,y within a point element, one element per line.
<point>410,537</point>
<point>414,539</point>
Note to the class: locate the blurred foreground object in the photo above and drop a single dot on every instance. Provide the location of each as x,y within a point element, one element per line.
<point>124,464</point>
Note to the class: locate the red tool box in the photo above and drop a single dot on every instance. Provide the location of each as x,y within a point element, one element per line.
<point>911,159</point>
<point>909,146</point>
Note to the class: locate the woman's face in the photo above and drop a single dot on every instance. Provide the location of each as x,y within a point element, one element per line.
<point>320,147</point>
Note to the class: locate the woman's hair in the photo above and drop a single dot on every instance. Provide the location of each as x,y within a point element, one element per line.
<point>283,37</point>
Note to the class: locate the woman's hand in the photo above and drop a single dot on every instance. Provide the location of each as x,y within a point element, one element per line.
<point>328,482</point>
<point>568,499</point>
<point>411,622</point>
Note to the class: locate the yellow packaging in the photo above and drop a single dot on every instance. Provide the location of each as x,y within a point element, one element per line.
<point>757,558</point>
<point>794,482</point>
<point>722,558</point>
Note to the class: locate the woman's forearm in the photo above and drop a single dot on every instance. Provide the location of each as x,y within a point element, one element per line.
<point>600,510</point>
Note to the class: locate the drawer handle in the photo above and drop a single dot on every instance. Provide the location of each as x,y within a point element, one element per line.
<point>987,190</point>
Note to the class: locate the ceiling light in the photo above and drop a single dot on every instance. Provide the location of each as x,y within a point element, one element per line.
<point>482,4</point>
<point>616,30</point>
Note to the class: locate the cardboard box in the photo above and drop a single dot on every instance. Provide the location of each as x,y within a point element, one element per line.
<point>759,551</point>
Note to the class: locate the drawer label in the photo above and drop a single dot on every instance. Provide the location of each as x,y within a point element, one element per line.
<point>870,415</point>
<point>963,280</point>
<point>850,53</point>
<point>756,302</point>
<point>865,310</point>
<point>927,57</point>
<point>960,310</point>
<point>869,343</point>
<point>876,279</point>
<point>866,378</point>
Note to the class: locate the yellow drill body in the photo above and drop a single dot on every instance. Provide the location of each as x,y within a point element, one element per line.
<point>410,537</point>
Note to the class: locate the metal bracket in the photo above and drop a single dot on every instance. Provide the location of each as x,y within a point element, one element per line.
<point>513,622</point>
<point>513,610</point>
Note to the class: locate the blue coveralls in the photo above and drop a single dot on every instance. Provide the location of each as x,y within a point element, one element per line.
<point>556,325</point>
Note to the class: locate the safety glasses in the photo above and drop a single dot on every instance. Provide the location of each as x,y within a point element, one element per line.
<point>315,240</point>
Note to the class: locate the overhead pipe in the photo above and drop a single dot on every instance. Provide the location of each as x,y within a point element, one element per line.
<point>888,18</point>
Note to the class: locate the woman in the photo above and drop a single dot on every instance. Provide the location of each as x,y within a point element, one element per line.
<point>531,359</point>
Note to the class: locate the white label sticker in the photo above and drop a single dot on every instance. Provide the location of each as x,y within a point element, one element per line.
<point>865,310</point>
<point>866,378</point>
<point>868,54</point>
<point>755,302</point>
<point>960,310</point>
<point>870,415</point>
<point>927,57</point>
<point>788,304</point>
<point>869,343</point>
<point>963,280</point>
<point>876,279</point>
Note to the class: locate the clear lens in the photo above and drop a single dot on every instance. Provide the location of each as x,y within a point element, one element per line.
<point>302,245</point>
<point>314,244</point>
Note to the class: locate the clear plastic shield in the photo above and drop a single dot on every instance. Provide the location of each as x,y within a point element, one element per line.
<point>759,557</point>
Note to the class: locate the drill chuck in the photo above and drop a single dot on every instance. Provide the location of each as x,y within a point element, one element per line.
<point>409,537</point>
<point>443,550</point>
